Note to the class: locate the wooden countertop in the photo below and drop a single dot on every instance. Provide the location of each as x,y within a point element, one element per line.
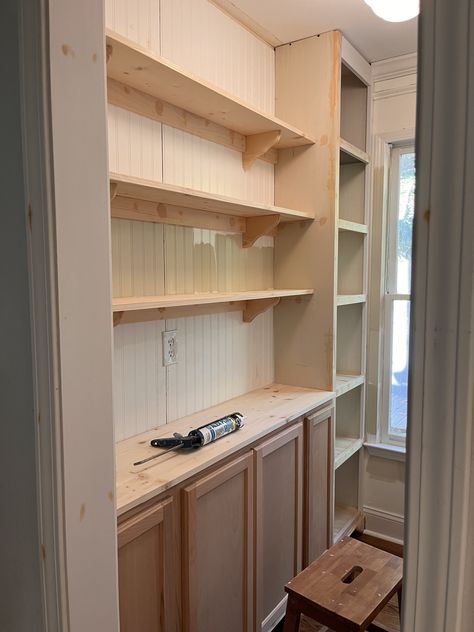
<point>266,410</point>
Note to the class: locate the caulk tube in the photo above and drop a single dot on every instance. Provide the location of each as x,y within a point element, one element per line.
<point>219,428</point>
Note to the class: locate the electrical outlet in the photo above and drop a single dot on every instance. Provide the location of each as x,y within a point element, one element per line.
<point>170,347</point>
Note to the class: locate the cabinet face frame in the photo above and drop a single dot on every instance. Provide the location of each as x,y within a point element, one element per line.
<point>191,496</point>
<point>161,514</point>
<point>315,539</point>
<point>292,434</point>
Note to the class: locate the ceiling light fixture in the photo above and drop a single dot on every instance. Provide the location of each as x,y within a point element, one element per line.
<point>395,10</point>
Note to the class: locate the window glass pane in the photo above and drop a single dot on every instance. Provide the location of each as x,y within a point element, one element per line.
<point>406,209</point>
<point>399,368</point>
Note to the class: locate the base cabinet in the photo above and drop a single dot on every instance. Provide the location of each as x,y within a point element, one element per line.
<point>148,564</point>
<point>216,554</point>
<point>319,483</point>
<point>218,550</point>
<point>278,502</point>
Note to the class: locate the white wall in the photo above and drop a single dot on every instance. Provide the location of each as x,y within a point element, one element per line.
<point>383,479</point>
<point>219,357</point>
<point>20,575</point>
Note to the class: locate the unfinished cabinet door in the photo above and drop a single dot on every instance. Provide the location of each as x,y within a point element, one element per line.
<point>319,428</point>
<point>218,550</point>
<point>148,563</point>
<point>278,476</point>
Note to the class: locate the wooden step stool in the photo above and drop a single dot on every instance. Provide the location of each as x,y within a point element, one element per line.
<point>345,588</point>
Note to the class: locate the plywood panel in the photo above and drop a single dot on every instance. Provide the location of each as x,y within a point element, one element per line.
<point>139,379</point>
<point>349,339</point>
<point>134,144</point>
<point>352,192</point>
<point>196,163</point>
<point>139,20</point>
<point>202,39</point>
<point>218,358</point>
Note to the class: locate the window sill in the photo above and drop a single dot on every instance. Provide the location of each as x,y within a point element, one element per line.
<point>387,451</point>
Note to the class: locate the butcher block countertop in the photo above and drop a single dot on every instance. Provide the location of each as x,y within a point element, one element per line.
<point>266,409</point>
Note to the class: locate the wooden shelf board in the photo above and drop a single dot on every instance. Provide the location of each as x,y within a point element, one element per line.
<point>350,153</point>
<point>354,227</point>
<point>168,194</point>
<point>266,409</point>
<point>344,448</point>
<point>346,520</point>
<point>351,299</point>
<point>134,66</point>
<point>345,383</point>
<point>184,300</point>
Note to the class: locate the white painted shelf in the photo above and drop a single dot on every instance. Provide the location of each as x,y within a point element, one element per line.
<point>351,299</point>
<point>346,519</point>
<point>252,303</point>
<point>353,227</point>
<point>344,448</point>
<point>345,383</point>
<point>136,67</point>
<point>350,153</point>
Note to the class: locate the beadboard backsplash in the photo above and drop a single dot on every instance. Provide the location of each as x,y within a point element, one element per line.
<point>219,356</point>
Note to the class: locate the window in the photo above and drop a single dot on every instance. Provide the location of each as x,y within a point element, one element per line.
<point>397,300</point>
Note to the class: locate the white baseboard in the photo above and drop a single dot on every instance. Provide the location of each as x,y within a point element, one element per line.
<point>384,524</point>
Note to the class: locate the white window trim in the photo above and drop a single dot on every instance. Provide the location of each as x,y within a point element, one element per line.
<point>390,291</point>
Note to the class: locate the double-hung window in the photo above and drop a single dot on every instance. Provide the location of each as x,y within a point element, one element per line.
<point>397,299</point>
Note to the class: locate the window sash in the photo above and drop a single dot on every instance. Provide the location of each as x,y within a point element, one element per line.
<point>391,294</point>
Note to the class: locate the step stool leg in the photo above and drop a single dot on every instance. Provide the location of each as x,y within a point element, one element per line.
<point>292,617</point>
<point>399,595</point>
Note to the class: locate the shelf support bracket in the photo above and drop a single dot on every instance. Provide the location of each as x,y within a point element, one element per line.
<point>113,190</point>
<point>255,307</point>
<point>257,145</point>
<point>258,226</point>
<point>117,318</point>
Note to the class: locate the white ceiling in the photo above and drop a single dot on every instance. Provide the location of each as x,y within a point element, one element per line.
<point>290,20</point>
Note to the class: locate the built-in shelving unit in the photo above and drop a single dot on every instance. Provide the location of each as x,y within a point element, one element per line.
<point>345,383</point>
<point>351,299</point>
<point>354,227</point>
<point>155,87</point>
<point>148,201</point>
<point>251,303</point>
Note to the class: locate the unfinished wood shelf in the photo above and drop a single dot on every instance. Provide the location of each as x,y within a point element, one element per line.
<point>346,521</point>
<point>345,383</point>
<point>349,153</point>
<point>354,227</point>
<point>155,87</point>
<point>344,448</point>
<point>148,201</point>
<point>252,303</point>
<point>350,299</point>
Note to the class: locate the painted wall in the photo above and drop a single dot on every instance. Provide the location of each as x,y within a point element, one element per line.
<point>219,357</point>
<point>383,478</point>
<point>20,585</point>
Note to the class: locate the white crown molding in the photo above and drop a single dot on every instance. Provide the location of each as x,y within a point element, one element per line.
<point>395,67</point>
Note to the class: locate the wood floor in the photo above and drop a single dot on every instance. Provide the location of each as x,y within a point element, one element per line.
<point>387,619</point>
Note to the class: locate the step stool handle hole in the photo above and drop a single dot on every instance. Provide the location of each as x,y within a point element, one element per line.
<point>352,574</point>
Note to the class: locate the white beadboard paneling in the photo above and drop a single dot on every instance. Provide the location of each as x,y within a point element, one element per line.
<point>139,379</point>
<point>139,20</point>
<point>219,357</point>
<point>196,35</point>
<point>196,163</point>
<point>135,144</point>
<point>137,258</point>
<point>198,260</point>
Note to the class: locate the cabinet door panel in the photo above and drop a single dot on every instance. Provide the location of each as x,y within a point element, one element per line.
<point>218,554</point>
<point>319,484</point>
<point>279,468</point>
<point>148,563</point>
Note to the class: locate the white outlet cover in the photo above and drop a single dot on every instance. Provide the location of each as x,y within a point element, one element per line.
<point>170,347</point>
